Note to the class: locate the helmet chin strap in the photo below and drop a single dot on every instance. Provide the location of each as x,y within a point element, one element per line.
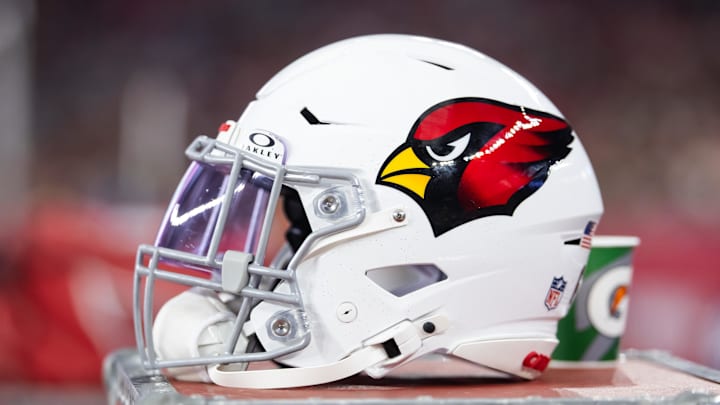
<point>387,348</point>
<point>358,361</point>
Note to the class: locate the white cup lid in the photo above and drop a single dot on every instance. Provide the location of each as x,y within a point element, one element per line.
<point>606,241</point>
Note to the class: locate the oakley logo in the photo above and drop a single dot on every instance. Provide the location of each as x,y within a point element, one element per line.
<point>262,140</point>
<point>263,144</point>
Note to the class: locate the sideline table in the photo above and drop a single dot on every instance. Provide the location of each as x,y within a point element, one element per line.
<point>640,377</point>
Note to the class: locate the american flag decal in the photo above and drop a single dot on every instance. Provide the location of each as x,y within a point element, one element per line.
<point>586,240</point>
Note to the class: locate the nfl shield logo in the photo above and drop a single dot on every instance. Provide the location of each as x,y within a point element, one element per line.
<point>555,293</point>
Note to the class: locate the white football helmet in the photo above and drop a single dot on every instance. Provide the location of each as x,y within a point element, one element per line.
<point>438,211</point>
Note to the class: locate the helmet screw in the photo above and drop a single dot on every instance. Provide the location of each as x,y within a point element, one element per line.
<point>329,204</point>
<point>398,215</point>
<point>281,327</point>
<point>347,312</point>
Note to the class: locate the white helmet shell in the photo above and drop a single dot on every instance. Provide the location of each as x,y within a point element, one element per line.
<point>448,204</point>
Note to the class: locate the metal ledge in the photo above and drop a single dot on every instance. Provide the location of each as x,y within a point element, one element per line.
<point>128,383</point>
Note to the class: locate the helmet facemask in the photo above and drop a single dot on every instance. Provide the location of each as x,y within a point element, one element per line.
<point>219,241</point>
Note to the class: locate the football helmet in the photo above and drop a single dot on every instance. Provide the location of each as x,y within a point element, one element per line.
<point>434,207</point>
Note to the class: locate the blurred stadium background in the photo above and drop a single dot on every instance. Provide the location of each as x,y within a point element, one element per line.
<point>99,99</point>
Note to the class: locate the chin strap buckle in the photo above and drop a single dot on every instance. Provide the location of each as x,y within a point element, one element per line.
<point>403,340</point>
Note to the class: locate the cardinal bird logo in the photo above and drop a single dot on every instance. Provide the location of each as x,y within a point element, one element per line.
<point>469,158</point>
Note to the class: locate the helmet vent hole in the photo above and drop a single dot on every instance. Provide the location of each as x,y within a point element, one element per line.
<point>405,279</point>
<point>441,66</point>
<point>311,118</point>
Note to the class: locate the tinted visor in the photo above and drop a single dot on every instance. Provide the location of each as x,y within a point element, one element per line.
<point>191,221</point>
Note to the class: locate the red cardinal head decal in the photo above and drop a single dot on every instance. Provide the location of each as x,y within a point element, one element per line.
<point>468,158</point>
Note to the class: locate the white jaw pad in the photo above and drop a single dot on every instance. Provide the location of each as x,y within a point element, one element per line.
<point>192,324</point>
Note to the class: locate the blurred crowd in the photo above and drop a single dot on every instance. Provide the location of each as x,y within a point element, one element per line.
<point>99,99</point>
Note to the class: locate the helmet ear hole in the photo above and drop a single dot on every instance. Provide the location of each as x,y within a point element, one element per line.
<point>299,225</point>
<point>405,279</point>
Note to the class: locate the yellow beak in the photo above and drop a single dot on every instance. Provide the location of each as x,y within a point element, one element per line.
<point>402,170</point>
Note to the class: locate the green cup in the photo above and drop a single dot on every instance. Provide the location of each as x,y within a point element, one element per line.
<point>591,331</point>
